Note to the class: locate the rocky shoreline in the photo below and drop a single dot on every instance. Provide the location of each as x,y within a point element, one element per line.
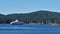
<point>56,24</point>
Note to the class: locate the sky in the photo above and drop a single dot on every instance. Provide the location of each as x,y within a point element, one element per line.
<point>26,6</point>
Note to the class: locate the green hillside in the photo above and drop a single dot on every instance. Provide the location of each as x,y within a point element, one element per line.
<point>33,17</point>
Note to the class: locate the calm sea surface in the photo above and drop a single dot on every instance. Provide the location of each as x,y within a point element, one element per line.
<point>29,29</point>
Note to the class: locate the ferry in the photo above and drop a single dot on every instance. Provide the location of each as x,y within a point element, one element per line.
<point>16,22</point>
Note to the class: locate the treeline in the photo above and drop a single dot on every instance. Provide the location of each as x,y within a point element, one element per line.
<point>33,17</point>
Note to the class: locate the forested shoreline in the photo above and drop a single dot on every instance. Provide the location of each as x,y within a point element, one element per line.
<point>33,17</point>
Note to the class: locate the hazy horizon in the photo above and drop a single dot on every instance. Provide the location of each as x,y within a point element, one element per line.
<point>31,12</point>
<point>26,6</point>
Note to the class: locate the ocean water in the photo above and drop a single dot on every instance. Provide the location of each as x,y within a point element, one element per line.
<point>29,29</point>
